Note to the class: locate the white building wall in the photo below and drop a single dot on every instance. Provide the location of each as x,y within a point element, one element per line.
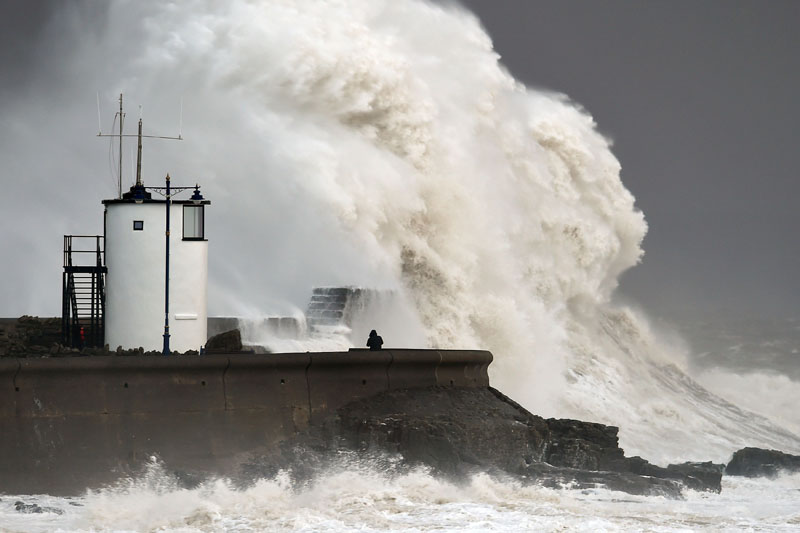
<point>135,279</point>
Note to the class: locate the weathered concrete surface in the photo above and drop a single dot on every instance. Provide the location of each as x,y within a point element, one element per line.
<point>70,423</point>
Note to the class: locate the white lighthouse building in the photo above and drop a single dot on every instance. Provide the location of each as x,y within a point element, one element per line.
<point>146,281</point>
<point>141,298</point>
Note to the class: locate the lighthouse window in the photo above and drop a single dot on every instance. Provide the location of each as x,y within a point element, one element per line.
<point>138,225</point>
<point>193,222</point>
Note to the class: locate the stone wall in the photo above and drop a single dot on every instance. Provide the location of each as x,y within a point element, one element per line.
<point>70,423</point>
<point>29,335</point>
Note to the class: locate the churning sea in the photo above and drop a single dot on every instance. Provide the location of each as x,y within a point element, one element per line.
<point>368,501</point>
<point>361,497</point>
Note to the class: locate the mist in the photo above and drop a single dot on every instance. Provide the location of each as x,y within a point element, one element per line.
<point>373,144</point>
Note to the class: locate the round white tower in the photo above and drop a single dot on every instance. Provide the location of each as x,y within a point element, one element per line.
<point>137,261</point>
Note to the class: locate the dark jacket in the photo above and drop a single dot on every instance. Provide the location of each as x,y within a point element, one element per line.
<point>375,341</point>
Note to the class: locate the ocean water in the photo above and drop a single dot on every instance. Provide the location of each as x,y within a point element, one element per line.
<point>358,499</point>
<point>382,144</point>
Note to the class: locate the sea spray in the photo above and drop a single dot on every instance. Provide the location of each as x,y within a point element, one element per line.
<point>496,208</point>
<point>365,498</point>
<point>382,144</point>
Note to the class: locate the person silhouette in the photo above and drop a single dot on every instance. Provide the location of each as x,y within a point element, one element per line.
<point>375,341</point>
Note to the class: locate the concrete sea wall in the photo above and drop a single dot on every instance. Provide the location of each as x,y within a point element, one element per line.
<point>72,423</point>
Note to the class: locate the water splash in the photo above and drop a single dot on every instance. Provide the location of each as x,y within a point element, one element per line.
<point>383,144</point>
<point>364,498</point>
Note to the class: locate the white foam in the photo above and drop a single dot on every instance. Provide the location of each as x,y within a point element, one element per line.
<point>770,395</point>
<point>357,497</point>
<point>398,162</point>
<point>382,144</point>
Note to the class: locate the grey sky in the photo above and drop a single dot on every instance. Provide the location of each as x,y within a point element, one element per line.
<point>699,98</point>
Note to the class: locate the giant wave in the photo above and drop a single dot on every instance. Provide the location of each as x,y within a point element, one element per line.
<point>383,144</point>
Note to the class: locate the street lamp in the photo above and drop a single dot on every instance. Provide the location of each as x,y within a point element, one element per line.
<point>168,192</point>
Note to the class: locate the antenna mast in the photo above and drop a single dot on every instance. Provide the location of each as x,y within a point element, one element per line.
<point>121,120</point>
<point>121,115</point>
<point>139,157</point>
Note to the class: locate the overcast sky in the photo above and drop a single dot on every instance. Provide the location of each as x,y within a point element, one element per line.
<point>700,99</point>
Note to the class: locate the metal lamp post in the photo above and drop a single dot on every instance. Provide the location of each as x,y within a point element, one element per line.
<point>168,192</point>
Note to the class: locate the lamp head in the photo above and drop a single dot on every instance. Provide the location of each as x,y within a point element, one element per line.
<point>138,193</point>
<point>196,196</point>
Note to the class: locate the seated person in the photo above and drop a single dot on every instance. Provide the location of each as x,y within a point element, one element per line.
<point>375,341</point>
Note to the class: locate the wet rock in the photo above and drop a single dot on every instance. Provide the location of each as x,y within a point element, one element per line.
<point>457,432</point>
<point>554,477</point>
<point>698,475</point>
<point>757,462</point>
<point>583,445</point>
<point>227,342</point>
<point>29,508</point>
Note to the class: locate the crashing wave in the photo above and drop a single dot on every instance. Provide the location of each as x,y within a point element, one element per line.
<point>383,144</point>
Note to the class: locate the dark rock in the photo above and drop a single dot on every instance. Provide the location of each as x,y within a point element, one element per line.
<point>757,462</point>
<point>583,445</point>
<point>456,432</point>
<point>30,508</point>
<point>699,475</point>
<point>29,336</point>
<point>227,342</point>
<point>549,476</point>
<point>590,446</point>
<point>696,476</point>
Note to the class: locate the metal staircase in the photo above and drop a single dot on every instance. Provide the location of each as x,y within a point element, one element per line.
<point>83,299</point>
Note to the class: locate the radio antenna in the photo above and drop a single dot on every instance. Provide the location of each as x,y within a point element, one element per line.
<point>99,127</point>
<point>120,135</point>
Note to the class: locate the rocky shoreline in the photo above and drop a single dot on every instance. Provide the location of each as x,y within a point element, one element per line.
<point>453,432</point>
<point>458,432</point>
